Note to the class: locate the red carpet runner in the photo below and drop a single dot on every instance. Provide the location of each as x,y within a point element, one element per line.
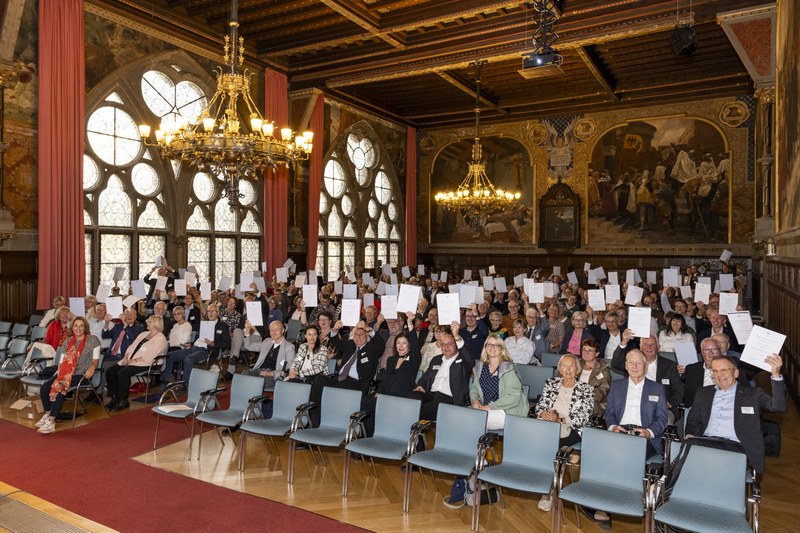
<point>88,471</point>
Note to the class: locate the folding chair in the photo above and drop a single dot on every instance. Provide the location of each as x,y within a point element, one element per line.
<point>147,373</point>
<point>12,367</point>
<point>88,385</point>
<point>30,377</point>
<point>293,330</point>
<point>394,417</point>
<point>35,320</point>
<point>285,414</point>
<point>5,328</point>
<point>243,388</point>
<point>20,331</point>
<point>38,333</point>
<point>201,384</point>
<point>551,359</point>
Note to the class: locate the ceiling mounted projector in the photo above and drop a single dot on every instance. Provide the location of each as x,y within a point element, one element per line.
<point>541,64</point>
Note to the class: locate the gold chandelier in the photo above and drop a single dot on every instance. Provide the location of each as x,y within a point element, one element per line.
<point>217,141</point>
<point>477,197</point>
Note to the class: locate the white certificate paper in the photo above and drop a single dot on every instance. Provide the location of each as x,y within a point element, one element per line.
<point>742,324</point>
<point>686,353</point>
<point>408,298</point>
<point>762,342</point>
<point>639,321</point>
<point>500,284</point>
<point>351,312</point>
<point>310,295</point>
<point>207,329</point>
<point>254,314</point>
<point>205,290</point>
<point>572,277</point>
<point>597,299</point>
<point>536,296</point>
<point>350,292</point>
<point>180,287</point>
<point>104,291</point>
<point>114,306</point>
<point>671,278</point>
<point>728,302</point>
<point>388,306</point>
<point>77,306</point>
<point>448,306</point>
<point>612,293</point>
<point>634,295</point>
<point>725,282</point>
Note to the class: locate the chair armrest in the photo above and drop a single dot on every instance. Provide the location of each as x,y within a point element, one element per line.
<point>252,404</point>
<point>485,442</point>
<point>36,360</point>
<point>302,412</point>
<point>560,465</point>
<point>356,421</point>
<point>171,389</point>
<point>208,395</point>
<point>417,430</point>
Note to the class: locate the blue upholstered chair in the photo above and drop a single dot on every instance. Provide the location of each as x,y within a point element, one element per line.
<point>201,384</point>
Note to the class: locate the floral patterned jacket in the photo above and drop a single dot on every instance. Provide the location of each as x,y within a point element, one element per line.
<point>580,410</point>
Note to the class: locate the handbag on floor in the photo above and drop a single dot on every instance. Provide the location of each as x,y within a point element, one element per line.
<point>456,500</point>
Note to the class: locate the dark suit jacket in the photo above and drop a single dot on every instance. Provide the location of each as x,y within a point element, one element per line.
<point>748,405</point>
<point>131,332</point>
<point>693,377</point>
<point>727,330</point>
<point>222,337</point>
<point>194,317</point>
<point>653,408</point>
<point>666,375</point>
<point>460,371</point>
<point>366,364</point>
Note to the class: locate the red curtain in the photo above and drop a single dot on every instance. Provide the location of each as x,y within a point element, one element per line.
<point>276,183</point>
<point>62,263</point>
<point>315,179</point>
<point>411,197</point>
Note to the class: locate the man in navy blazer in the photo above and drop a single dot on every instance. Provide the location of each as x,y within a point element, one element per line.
<point>650,419</point>
<point>732,411</point>
<point>457,365</point>
<point>202,348</point>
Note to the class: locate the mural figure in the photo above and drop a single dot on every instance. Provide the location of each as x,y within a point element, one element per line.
<point>659,181</point>
<point>560,149</point>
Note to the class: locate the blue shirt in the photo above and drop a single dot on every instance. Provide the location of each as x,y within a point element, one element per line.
<point>720,424</point>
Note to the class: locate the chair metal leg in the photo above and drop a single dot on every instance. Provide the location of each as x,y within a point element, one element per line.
<point>155,439</point>
<point>433,477</point>
<point>219,434</point>
<point>374,470</point>
<point>292,445</point>
<point>191,438</point>
<point>476,508</point>
<point>345,472</point>
<point>406,487</point>
<point>242,444</point>
<point>199,444</point>
<point>500,497</point>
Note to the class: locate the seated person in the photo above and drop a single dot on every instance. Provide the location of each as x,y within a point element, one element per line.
<point>537,329</point>
<point>181,330</point>
<point>675,332</point>
<point>597,373</point>
<point>520,348</point>
<point>497,388</point>
<point>358,358</point>
<point>139,355</point>
<point>401,369</point>
<point>432,349</point>
<point>573,338</point>
<point>81,355</point>
<point>50,314</point>
<point>496,325</point>
<point>447,377</point>
<point>698,375</point>
<point>122,334</point>
<point>311,359</point>
<point>201,350</point>
<point>275,354</point>
<point>732,411</point>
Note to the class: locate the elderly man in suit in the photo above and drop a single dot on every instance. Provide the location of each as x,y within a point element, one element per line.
<point>358,358</point>
<point>447,377</point>
<point>732,411</point>
<point>202,348</point>
<point>275,354</point>
<point>698,375</point>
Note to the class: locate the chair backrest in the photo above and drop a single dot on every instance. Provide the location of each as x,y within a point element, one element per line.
<point>38,333</point>
<point>394,416</point>
<point>5,328</point>
<point>616,374</point>
<point>20,330</point>
<point>97,376</point>
<point>202,380</point>
<point>337,406</point>
<point>530,442</point>
<point>550,359</point>
<point>293,329</point>
<point>17,347</point>
<point>287,397</point>
<point>35,320</point>
<point>193,337</point>
<point>331,366</point>
<point>669,355</point>
<point>534,377</point>
<point>613,458</point>
<point>714,478</point>
<point>4,340</point>
<point>244,387</point>
<point>459,428</point>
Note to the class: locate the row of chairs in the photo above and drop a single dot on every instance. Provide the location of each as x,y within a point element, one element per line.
<point>709,495</point>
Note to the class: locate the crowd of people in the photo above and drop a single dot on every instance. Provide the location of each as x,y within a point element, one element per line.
<point>469,362</point>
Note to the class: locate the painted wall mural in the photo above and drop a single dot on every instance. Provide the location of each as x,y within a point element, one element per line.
<point>788,116</point>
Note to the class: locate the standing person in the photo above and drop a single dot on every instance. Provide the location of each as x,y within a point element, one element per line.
<point>81,355</point>
<point>497,388</point>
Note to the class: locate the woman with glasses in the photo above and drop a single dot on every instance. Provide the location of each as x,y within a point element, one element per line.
<point>597,373</point>
<point>497,387</point>
<point>573,339</point>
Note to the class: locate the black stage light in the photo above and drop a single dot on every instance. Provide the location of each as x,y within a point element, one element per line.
<point>684,39</point>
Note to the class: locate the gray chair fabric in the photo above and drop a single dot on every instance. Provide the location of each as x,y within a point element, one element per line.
<point>38,333</point>
<point>200,382</point>
<point>20,331</point>
<point>550,359</point>
<point>535,377</point>
<point>709,495</point>
<point>394,417</point>
<point>612,473</point>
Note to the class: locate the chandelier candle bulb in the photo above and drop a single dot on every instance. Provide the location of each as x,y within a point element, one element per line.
<point>286,134</point>
<point>144,130</point>
<point>255,123</point>
<point>267,128</point>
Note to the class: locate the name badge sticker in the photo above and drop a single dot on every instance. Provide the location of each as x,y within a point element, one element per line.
<point>653,398</point>
<point>538,337</point>
<point>437,367</point>
<point>364,359</point>
<point>600,376</point>
<point>457,362</point>
<point>219,332</point>
<point>665,381</point>
<point>748,410</point>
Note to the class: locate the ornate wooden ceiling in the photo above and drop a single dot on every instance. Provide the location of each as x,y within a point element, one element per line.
<point>409,59</point>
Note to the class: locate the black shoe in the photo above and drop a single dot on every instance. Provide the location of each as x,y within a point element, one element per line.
<point>92,398</point>
<point>110,405</point>
<point>228,376</point>
<point>119,407</point>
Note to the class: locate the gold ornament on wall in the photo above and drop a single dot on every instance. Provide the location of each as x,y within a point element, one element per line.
<point>733,114</point>
<point>537,133</point>
<point>585,129</point>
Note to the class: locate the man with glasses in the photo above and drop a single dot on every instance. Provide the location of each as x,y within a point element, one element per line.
<point>447,377</point>
<point>610,337</point>
<point>538,328</point>
<point>474,333</point>
<point>698,375</point>
<point>730,413</point>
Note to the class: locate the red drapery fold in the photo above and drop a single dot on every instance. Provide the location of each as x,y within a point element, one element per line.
<point>411,196</point>
<point>315,180</point>
<point>276,183</point>
<point>62,262</point>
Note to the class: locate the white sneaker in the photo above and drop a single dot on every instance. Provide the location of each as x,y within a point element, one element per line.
<point>545,503</point>
<point>41,422</point>
<point>48,427</point>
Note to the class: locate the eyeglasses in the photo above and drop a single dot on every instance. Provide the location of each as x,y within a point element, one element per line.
<point>493,345</point>
<point>710,350</point>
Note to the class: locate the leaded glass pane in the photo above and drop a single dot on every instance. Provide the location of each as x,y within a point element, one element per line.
<point>87,252</point>
<point>334,178</point>
<point>321,230</point>
<point>383,228</point>
<point>144,178</point>
<point>362,175</point>
<point>348,230</point>
<point>349,256</point>
<point>369,152</point>
<point>113,135</point>
<point>176,166</point>
<point>383,254</point>
<point>151,218</point>
<point>114,205</point>
<point>334,257</point>
<point>373,209</point>
<point>150,247</point>
<point>197,222</point>
<point>87,218</point>
<point>248,191</point>
<point>250,256</point>
<point>158,92</point>
<point>352,144</point>
<point>347,205</point>
<point>383,188</point>
<point>394,234</point>
<point>203,186</point>
<point>198,253</point>
<point>91,173</point>
<point>321,255</point>
<point>369,255</point>
<point>361,153</point>
<point>394,253</point>
<point>370,233</point>
<point>323,202</point>
<point>224,219</point>
<point>249,225</point>
<point>115,251</point>
<point>334,224</point>
<point>189,99</point>
<point>225,257</point>
<point>114,97</point>
<point>392,211</point>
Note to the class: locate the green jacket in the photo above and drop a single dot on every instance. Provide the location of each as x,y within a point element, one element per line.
<point>512,398</point>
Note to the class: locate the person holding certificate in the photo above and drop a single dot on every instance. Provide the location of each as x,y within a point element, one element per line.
<point>214,336</point>
<point>676,332</point>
